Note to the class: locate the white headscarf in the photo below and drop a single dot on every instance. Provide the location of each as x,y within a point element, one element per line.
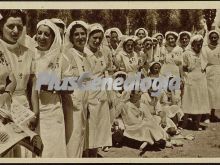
<point>159,34</point>
<point>171,32</point>
<point>136,31</point>
<point>150,52</point>
<point>117,30</point>
<point>58,21</point>
<point>45,58</point>
<point>124,39</point>
<point>67,43</point>
<point>95,26</point>
<point>210,32</point>
<point>156,51</point>
<point>196,37</point>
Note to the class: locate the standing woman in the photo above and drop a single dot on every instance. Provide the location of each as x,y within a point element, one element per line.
<point>7,78</point>
<point>211,64</point>
<point>141,33</point>
<point>20,58</point>
<point>195,98</point>
<point>171,55</point>
<point>127,58</point>
<point>99,126</point>
<point>76,110</point>
<point>47,58</point>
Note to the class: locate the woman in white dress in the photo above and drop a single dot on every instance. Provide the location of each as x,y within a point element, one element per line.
<point>99,127</point>
<point>20,58</point>
<point>75,111</point>
<point>127,58</point>
<point>171,55</point>
<point>211,64</point>
<point>47,58</point>
<point>195,98</point>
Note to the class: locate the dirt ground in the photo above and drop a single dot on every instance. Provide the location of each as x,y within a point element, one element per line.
<point>206,144</point>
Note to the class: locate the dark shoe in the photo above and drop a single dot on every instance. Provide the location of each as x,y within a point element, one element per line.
<point>160,143</point>
<point>214,119</point>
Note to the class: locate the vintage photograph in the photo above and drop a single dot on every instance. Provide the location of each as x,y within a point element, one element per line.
<point>109,83</point>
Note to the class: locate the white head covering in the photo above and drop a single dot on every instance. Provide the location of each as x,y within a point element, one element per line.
<point>196,37</point>
<point>181,33</point>
<point>57,39</point>
<point>124,39</point>
<point>158,34</point>
<point>45,58</point>
<point>146,38</point>
<point>58,21</point>
<point>210,32</point>
<point>67,43</point>
<point>95,26</point>
<point>117,30</point>
<point>136,31</point>
<point>171,32</point>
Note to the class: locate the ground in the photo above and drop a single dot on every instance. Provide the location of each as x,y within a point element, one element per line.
<point>206,144</point>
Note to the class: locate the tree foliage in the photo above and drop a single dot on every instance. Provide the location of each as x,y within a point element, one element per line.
<point>160,20</point>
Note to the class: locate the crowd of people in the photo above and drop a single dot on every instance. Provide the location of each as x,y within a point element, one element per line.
<point>78,123</point>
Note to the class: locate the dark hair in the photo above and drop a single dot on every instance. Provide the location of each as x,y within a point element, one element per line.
<point>60,25</point>
<point>126,42</point>
<point>184,34</point>
<point>151,67</point>
<point>11,13</point>
<point>214,33</point>
<point>113,32</point>
<point>73,29</point>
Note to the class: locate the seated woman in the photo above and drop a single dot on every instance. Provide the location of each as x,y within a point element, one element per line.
<point>170,100</point>
<point>138,125</point>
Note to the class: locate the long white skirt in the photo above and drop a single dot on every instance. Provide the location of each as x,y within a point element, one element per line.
<point>213,81</point>
<point>75,113</point>
<point>52,128</point>
<point>195,98</point>
<point>98,131</point>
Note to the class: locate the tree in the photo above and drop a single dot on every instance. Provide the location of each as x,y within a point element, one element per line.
<point>209,15</point>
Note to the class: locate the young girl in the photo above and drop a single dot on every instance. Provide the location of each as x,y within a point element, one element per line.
<point>195,98</point>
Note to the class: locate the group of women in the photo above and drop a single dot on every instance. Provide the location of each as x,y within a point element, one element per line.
<point>77,123</point>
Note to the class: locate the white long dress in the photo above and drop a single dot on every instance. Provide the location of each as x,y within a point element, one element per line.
<point>170,61</point>
<point>75,111</point>
<point>22,67</point>
<point>99,125</point>
<point>211,61</point>
<point>195,98</point>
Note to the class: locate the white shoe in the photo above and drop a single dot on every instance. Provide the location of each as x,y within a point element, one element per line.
<point>207,121</point>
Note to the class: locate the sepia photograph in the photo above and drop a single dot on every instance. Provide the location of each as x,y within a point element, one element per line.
<point>127,80</point>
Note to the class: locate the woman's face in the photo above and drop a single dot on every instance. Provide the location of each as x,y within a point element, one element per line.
<point>156,69</point>
<point>79,38</point>
<point>171,40</point>
<point>184,40</point>
<point>148,45</point>
<point>95,40</point>
<point>213,37</point>
<point>138,45</point>
<point>114,38</point>
<point>160,40</point>
<point>155,42</point>
<point>12,30</point>
<point>129,46</point>
<point>197,46</point>
<point>44,37</point>
<point>141,34</point>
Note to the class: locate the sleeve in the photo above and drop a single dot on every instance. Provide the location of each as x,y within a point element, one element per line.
<point>185,59</point>
<point>204,59</point>
<point>67,67</point>
<point>118,60</point>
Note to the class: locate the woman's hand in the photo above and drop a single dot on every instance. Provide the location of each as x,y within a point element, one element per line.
<point>33,123</point>
<point>5,99</point>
